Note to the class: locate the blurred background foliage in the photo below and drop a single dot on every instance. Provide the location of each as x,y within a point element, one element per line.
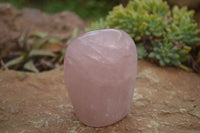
<point>163,34</point>
<point>92,9</point>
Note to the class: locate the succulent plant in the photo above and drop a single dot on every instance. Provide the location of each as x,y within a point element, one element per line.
<point>164,36</point>
<point>166,53</point>
<point>37,50</point>
<point>97,25</point>
<point>142,52</point>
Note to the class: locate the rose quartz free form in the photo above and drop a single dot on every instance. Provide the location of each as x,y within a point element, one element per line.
<point>100,70</point>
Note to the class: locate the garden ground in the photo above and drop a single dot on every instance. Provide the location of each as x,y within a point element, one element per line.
<point>165,100</point>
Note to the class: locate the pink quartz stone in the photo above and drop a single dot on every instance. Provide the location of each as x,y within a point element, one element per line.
<point>100,70</point>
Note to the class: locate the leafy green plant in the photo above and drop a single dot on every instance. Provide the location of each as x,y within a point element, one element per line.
<point>166,53</point>
<point>37,51</point>
<point>142,52</point>
<point>162,35</point>
<point>97,25</point>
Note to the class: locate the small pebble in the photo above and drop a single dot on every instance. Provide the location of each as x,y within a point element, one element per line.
<point>182,110</point>
<point>166,103</point>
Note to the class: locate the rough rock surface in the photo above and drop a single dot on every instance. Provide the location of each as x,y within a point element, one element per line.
<point>14,23</point>
<point>165,100</point>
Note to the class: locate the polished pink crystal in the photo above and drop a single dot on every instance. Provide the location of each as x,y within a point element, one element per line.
<point>100,70</point>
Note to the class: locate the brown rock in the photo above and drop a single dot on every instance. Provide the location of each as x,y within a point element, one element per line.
<point>14,23</point>
<point>165,100</point>
<point>100,70</point>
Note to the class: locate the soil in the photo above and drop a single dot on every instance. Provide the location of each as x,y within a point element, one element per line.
<point>165,100</point>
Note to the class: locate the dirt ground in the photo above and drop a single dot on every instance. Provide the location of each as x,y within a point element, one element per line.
<point>165,100</point>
